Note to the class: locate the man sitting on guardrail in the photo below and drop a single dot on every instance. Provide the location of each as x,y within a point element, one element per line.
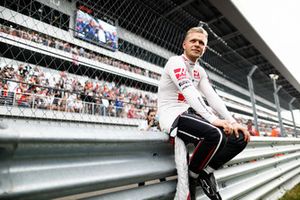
<point>184,114</point>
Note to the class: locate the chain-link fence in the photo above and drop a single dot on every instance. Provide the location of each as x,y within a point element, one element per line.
<point>100,61</point>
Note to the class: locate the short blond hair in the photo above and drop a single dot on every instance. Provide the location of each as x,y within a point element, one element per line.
<point>196,30</point>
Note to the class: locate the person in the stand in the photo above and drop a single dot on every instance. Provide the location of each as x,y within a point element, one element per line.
<point>150,124</point>
<point>184,114</point>
<point>251,129</point>
<point>275,131</point>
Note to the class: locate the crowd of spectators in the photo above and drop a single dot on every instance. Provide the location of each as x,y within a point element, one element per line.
<point>76,51</point>
<point>44,88</point>
<point>264,128</point>
<point>38,87</point>
<point>25,85</point>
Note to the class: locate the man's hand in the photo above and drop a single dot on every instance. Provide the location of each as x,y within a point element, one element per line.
<point>230,128</point>
<point>238,127</point>
<point>226,125</point>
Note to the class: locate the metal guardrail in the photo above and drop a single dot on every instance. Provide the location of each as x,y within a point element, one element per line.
<point>45,160</point>
<point>42,160</point>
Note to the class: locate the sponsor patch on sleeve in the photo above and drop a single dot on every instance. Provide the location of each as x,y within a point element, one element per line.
<point>184,84</point>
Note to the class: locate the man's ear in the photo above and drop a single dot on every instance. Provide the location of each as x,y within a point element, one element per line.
<point>183,45</point>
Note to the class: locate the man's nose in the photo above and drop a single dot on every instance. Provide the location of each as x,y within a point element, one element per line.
<point>197,43</point>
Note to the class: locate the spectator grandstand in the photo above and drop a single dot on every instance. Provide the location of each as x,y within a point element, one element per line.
<point>39,87</point>
<point>43,88</point>
<point>45,66</point>
<point>76,51</point>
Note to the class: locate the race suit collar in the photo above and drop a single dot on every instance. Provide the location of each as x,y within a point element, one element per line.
<point>188,60</point>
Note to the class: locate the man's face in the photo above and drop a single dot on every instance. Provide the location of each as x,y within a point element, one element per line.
<point>194,45</point>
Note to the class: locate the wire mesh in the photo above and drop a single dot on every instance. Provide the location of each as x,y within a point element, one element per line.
<point>85,60</point>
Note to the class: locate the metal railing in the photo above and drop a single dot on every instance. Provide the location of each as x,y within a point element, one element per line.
<point>44,160</point>
<point>45,107</point>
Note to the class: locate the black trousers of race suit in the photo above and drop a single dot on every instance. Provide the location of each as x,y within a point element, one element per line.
<point>212,146</point>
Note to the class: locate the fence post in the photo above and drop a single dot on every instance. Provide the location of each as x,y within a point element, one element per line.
<point>33,101</point>
<point>274,77</point>
<point>278,109</point>
<point>14,99</point>
<point>291,110</point>
<point>93,108</point>
<point>251,90</point>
